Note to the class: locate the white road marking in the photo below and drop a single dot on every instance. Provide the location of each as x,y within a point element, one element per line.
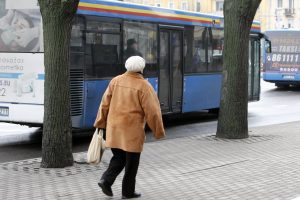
<point>297,198</point>
<point>281,106</point>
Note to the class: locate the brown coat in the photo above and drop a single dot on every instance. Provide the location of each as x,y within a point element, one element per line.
<point>127,104</point>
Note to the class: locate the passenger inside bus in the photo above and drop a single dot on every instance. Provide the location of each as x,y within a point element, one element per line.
<point>131,50</point>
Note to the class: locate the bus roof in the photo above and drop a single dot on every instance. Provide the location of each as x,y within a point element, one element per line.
<point>283,30</point>
<point>117,9</point>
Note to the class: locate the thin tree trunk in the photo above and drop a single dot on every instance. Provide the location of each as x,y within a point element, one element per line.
<point>233,116</point>
<point>57,130</point>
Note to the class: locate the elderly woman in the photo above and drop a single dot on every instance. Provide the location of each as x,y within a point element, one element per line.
<point>127,104</point>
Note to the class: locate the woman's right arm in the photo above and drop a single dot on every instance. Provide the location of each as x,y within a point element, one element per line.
<point>151,107</point>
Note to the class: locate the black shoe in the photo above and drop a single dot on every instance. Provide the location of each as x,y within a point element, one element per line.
<point>105,188</point>
<point>135,195</point>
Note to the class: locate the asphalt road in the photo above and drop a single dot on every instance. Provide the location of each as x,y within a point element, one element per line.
<point>276,106</point>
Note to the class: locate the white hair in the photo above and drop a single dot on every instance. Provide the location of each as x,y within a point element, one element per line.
<point>135,64</point>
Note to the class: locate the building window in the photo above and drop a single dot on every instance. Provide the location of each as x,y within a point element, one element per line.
<point>158,3</point>
<point>219,5</point>
<point>290,23</point>
<point>198,6</point>
<point>171,4</point>
<point>279,3</point>
<point>184,6</point>
<point>145,2</point>
<point>291,4</point>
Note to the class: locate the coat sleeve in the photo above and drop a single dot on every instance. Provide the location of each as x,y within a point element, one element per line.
<point>101,118</point>
<point>151,107</point>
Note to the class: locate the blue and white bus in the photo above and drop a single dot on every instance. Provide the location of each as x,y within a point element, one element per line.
<point>183,53</point>
<point>282,66</point>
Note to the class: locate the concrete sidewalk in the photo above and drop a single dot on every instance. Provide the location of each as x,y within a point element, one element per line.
<point>264,166</point>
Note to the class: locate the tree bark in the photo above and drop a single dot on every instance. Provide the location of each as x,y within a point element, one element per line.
<point>57,130</point>
<point>233,115</point>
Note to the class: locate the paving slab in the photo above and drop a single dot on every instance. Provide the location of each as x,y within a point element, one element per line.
<point>264,166</point>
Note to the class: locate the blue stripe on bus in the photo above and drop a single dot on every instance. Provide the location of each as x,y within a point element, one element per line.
<point>152,19</point>
<point>94,90</point>
<point>151,8</point>
<point>16,75</point>
<point>255,30</point>
<point>154,9</point>
<point>201,92</point>
<point>154,83</point>
<point>41,76</point>
<point>10,75</point>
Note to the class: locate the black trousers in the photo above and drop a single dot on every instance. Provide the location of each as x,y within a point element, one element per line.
<point>117,163</point>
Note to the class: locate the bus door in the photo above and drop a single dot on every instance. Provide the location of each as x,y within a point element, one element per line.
<point>254,69</point>
<point>170,69</point>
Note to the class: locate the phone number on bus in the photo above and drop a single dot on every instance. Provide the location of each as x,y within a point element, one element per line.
<point>3,84</point>
<point>283,58</point>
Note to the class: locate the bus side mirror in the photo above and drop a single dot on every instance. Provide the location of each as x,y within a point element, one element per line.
<point>268,46</point>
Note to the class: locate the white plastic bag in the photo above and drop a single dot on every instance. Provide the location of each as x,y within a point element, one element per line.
<point>96,147</point>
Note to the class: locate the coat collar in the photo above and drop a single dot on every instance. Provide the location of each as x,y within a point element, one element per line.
<point>134,74</point>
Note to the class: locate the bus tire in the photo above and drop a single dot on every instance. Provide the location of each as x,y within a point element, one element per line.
<point>214,110</point>
<point>282,85</point>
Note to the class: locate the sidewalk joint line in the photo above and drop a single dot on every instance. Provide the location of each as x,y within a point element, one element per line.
<point>233,163</point>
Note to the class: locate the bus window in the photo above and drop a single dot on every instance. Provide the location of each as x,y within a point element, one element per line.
<point>215,50</point>
<point>76,36</point>
<point>256,71</point>
<point>141,39</point>
<point>77,44</point>
<point>195,53</point>
<point>250,70</point>
<point>102,49</point>
<point>103,26</point>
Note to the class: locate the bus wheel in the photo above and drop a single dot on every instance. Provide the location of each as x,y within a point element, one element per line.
<point>281,85</point>
<point>214,110</point>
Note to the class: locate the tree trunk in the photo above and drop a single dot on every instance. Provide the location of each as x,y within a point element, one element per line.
<point>57,131</point>
<point>233,115</point>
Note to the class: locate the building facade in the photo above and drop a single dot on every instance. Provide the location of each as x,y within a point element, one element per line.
<point>273,14</point>
<point>205,6</point>
<point>278,14</point>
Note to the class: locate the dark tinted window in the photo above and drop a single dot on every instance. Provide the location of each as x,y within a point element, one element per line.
<point>141,39</point>
<point>77,44</point>
<point>215,50</point>
<point>102,49</point>
<point>195,49</point>
<point>102,26</point>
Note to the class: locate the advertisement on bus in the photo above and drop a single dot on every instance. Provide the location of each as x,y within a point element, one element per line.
<point>20,26</point>
<point>22,78</point>
<point>285,56</point>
